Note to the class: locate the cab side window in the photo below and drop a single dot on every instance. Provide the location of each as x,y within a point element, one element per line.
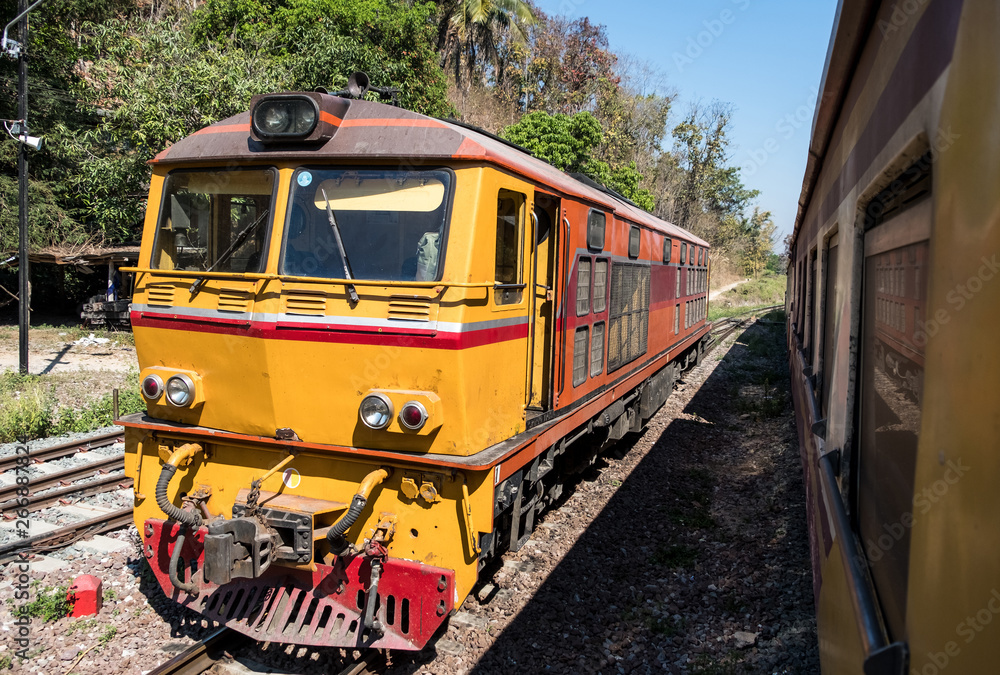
<point>510,231</point>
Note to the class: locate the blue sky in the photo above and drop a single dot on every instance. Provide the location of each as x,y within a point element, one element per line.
<point>763,56</point>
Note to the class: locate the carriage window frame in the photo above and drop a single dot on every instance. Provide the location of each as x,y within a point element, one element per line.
<point>583,294</point>
<point>599,301</point>
<point>634,242</point>
<point>668,245</point>
<point>581,355</point>
<point>684,251</point>
<point>597,231</point>
<point>906,227</point>
<point>595,342</point>
<point>701,256</point>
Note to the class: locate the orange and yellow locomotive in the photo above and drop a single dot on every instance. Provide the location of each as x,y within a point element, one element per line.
<point>372,344</point>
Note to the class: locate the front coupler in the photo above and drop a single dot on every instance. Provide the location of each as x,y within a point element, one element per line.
<point>327,606</point>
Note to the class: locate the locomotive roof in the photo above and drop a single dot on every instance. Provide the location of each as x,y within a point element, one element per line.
<point>376,131</point>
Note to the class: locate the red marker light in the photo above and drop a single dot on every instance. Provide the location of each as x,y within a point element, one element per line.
<point>152,387</point>
<point>413,415</point>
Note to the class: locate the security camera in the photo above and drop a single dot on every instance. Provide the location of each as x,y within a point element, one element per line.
<point>33,142</point>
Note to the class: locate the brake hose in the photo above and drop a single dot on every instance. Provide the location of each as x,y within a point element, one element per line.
<point>335,535</point>
<point>189,518</point>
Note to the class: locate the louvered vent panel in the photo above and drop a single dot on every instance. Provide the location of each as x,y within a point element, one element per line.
<point>234,300</point>
<point>306,304</point>
<point>161,295</point>
<point>408,308</point>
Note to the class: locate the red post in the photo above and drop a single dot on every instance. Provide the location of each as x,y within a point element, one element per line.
<point>85,596</point>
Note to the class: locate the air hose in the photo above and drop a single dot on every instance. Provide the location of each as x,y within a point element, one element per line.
<point>190,518</point>
<point>335,535</point>
<point>185,518</point>
<point>189,587</point>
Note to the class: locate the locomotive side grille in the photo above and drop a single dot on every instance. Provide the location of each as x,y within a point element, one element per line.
<point>234,300</point>
<point>160,295</point>
<point>628,330</point>
<point>307,304</point>
<point>410,308</point>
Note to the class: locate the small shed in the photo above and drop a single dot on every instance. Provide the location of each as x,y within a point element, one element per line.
<point>112,307</point>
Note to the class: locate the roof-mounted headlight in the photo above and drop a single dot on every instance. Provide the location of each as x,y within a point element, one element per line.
<point>285,117</point>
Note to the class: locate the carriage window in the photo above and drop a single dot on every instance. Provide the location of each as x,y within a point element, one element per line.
<point>510,227</point>
<point>634,242</point>
<point>583,287</point>
<point>691,256</point>
<point>810,309</point>
<point>667,247</point>
<point>597,350</point>
<point>580,356</point>
<point>829,323</point>
<point>891,381</point>
<point>600,285</point>
<point>677,272</point>
<point>677,320</point>
<point>595,230</point>
<point>684,253</point>
<point>214,220</point>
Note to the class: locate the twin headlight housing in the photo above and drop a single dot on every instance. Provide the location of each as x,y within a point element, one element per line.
<point>181,389</point>
<point>377,410</point>
<point>296,117</point>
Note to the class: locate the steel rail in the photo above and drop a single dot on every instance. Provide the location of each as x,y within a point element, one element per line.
<point>203,655</point>
<point>115,463</point>
<point>64,536</point>
<point>62,449</point>
<point>215,647</point>
<point>730,324</point>
<point>36,502</point>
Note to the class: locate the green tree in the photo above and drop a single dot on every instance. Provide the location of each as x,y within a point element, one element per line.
<point>471,30</point>
<point>568,142</point>
<point>708,184</point>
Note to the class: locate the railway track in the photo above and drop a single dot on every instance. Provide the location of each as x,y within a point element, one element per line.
<point>104,474</point>
<point>723,328</point>
<point>65,536</point>
<point>64,449</point>
<point>37,501</point>
<point>220,645</point>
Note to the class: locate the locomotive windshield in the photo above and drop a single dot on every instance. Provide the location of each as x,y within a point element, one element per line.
<point>391,222</point>
<point>214,221</point>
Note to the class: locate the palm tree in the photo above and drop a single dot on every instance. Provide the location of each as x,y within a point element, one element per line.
<point>470,31</point>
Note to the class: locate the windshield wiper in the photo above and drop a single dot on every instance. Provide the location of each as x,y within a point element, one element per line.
<point>343,254</point>
<point>240,238</point>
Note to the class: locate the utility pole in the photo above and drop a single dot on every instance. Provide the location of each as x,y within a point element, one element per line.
<point>19,131</point>
<point>24,309</point>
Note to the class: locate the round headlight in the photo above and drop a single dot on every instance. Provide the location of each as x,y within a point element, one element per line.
<point>376,411</point>
<point>152,387</point>
<point>180,390</point>
<point>305,120</point>
<point>413,415</point>
<point>276,119</point>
